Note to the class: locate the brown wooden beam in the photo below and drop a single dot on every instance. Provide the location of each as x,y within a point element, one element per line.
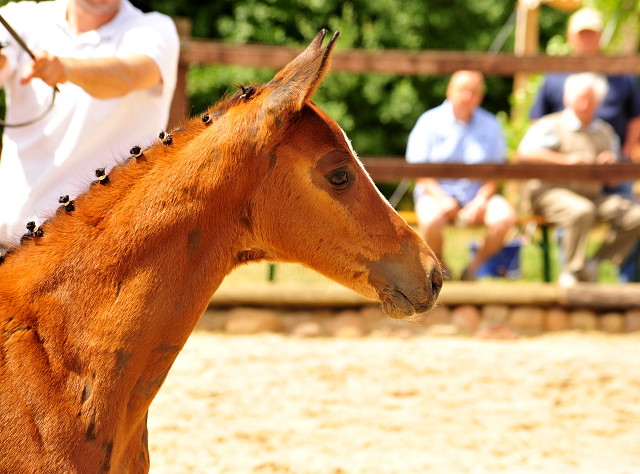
<point>600,296</point>
<point>199,51</point>
<point>326,295</point>
<point>395,169</point>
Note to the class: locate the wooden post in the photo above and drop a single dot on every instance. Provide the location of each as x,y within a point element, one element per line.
<point>180,104</point>
<point>527,43</point>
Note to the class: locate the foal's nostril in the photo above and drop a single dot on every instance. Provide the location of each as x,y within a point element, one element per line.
<point>436,281</point>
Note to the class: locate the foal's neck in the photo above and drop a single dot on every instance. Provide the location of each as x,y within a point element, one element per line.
<point>132,267</point>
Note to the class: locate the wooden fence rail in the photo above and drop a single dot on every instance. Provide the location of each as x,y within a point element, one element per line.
<point>200,51</point>
<point>392,169</point>
<point>404,62</point>
<point>399,62</point>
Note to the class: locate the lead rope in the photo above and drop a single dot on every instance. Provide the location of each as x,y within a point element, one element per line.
<point>26,48</point>
<point>29,122</point>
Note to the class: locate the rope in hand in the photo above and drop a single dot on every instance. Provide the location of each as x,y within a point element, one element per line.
<point>26,48</point>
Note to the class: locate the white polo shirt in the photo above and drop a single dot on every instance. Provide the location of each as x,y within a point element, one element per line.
<point>59,154</point>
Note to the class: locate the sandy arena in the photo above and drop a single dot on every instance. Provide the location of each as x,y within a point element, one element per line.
<point>562,403</point>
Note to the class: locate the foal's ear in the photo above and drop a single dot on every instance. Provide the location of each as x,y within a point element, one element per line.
<point>298,80</point>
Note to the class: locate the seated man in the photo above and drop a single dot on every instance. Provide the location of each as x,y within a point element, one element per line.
<point>460,131</point>
<point>575,136</point>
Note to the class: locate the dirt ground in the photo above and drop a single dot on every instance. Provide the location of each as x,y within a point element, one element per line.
<point>562,403</point>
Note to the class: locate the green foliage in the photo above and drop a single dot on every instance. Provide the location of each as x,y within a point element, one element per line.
<point>623,17</point>
<point>516,126</point>
<point>376,110</point>
<point>206,85</point>
<point>622,23</point>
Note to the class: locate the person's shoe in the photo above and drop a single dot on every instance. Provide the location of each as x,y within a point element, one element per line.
<point>567,279</point>
<point>468,275</point>
<point>590,271</point>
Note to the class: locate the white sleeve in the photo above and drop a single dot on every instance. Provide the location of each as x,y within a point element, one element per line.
<point>156,36</point>
<point>541,136</point>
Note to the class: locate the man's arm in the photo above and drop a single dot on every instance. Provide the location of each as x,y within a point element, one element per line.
<point>632,138</point>
<point>476,208</point>
<point>488,189</point>
<point>432,187</point>
<point>546,156</point>
<point>103,78</point>
<point>5,70</point>
<point>540,143</point>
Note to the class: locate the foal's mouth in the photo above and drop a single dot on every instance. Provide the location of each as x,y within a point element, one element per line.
<point>397,305</point>
<point>404,284</point>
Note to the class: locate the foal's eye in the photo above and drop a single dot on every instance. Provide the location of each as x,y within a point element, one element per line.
<point>339,178</point>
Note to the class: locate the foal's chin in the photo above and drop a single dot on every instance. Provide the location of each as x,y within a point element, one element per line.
<point>397,305</point>
<point>406,285</point>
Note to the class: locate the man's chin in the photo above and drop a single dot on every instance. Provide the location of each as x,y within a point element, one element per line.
<point>99,8</point>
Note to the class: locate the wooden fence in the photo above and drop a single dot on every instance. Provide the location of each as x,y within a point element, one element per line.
<point>200,51</point>
<point>399,62</point>
<point>394,169</point>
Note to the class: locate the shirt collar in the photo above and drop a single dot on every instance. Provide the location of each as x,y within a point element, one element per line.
<point>448,106</point>
<point>60,14</point>
<point>95,36</point>
<point>111,28</point>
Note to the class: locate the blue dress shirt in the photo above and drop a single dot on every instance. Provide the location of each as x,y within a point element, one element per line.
<point>438,137</point>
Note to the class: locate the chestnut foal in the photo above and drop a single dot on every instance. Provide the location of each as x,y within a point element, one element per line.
<point>96,304</point>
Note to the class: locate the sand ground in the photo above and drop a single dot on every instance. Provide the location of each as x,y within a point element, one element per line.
<point>562,403</point>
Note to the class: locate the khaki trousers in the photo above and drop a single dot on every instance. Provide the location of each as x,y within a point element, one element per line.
<point>577,214</point>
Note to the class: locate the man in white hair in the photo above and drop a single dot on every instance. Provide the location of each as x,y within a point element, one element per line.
<point>575,136</point>
<point>621,105</point>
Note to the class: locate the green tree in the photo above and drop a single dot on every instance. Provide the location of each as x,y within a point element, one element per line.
<point>376,110</point>
<point>623,17</point>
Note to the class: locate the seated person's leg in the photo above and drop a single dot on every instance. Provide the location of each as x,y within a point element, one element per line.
<point>623,216</point>
<point>432,218</point>
<point>576,215</point>
<point>499,218</point>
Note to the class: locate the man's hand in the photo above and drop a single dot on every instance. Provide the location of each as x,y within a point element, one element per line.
<point>449,205</point>
<point>580,158</point>
<point>474,211</point>
<point>606,158</point>
<point>47,67</point>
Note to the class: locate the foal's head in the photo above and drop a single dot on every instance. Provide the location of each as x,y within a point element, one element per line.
<point>312,202</point>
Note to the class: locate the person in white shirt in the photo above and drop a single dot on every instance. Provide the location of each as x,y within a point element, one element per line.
<point>115,68</point>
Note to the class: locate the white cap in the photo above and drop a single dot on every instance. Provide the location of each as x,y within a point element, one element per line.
<point>585,19</point>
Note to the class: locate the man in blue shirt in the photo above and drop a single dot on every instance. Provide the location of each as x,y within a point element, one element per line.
<point>460,131</point>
